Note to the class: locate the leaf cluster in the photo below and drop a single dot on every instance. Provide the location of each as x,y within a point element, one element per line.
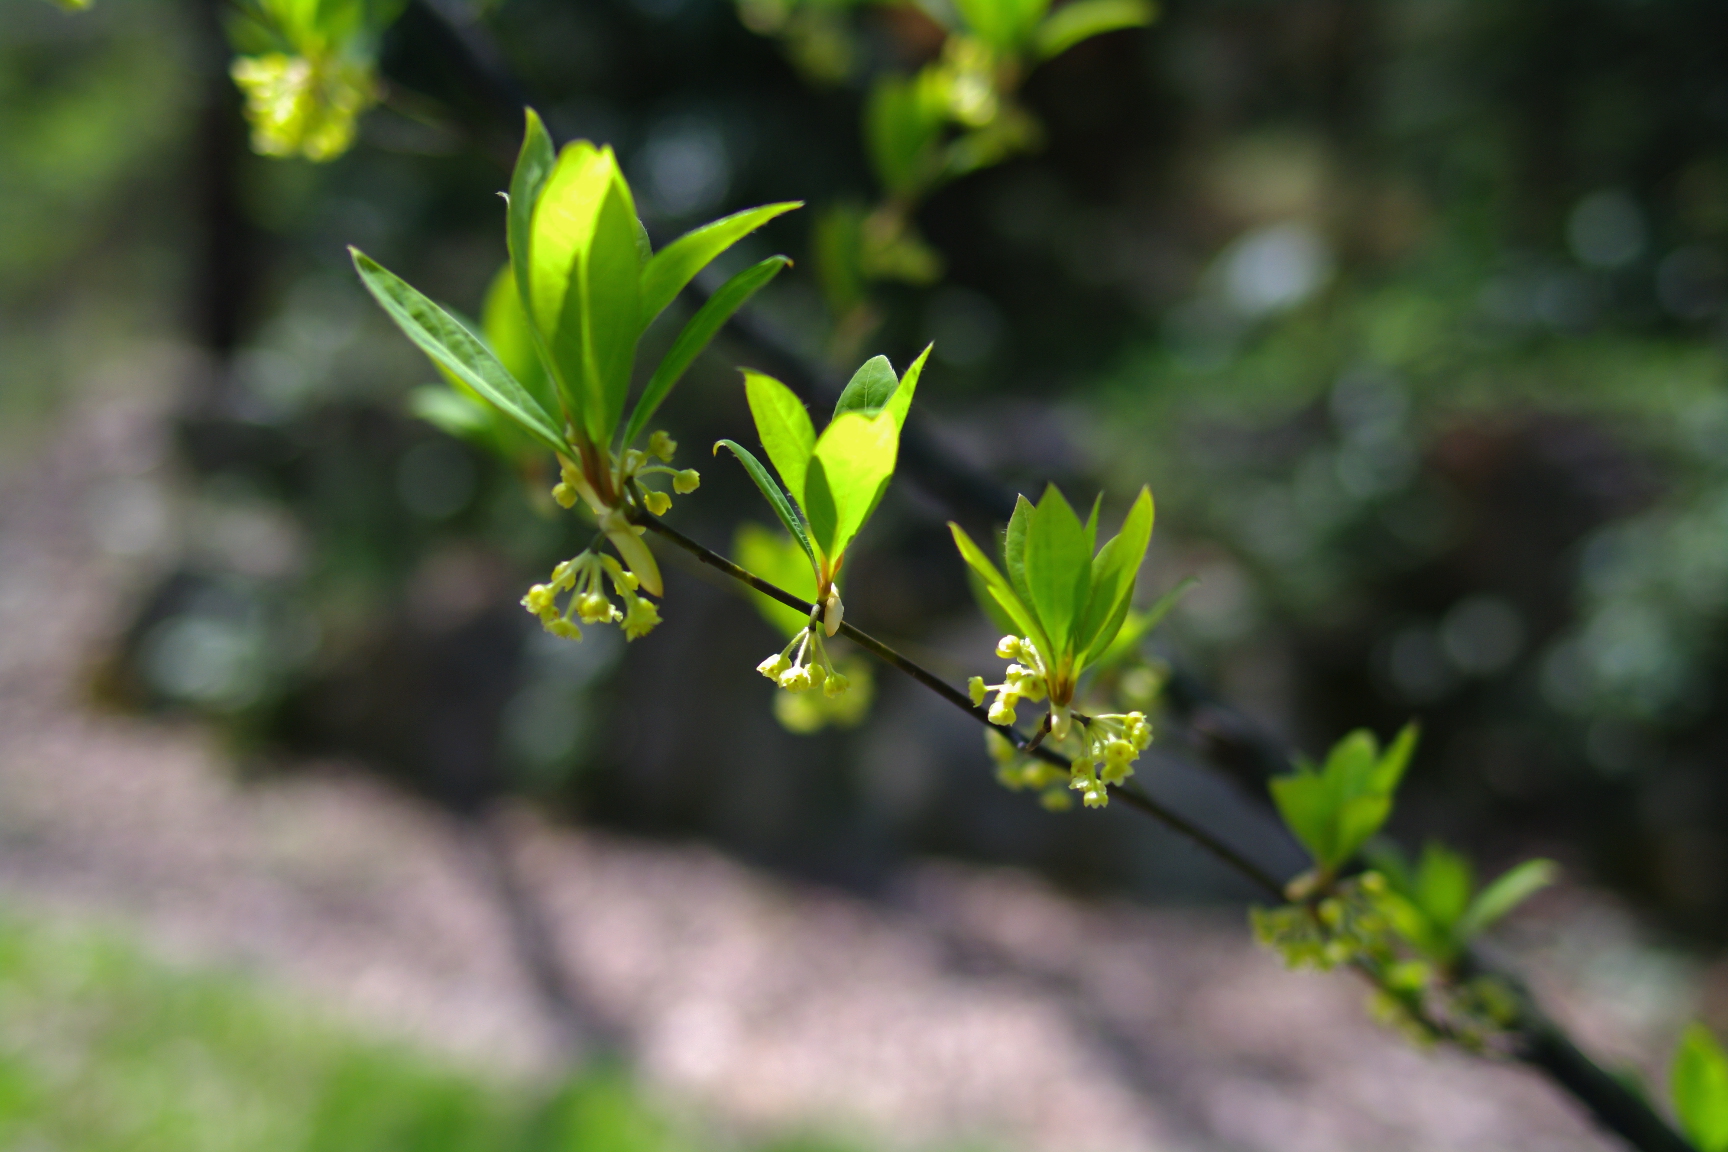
<point>1067,596</point>
<point>829,484</point>
<point>1436,906</point>
<point>1333,808</point>
<point>583,285</point>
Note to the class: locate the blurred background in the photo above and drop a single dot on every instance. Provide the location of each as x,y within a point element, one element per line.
<point>1412,313</point>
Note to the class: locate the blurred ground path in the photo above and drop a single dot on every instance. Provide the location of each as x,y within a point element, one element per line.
<point>979,1005</point>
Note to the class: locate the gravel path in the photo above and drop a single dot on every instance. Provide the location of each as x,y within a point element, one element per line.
<point>979,1005</point>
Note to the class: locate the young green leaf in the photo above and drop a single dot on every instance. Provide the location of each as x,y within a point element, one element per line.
<point>899,405</point>
<point>505,324</point>
<point>1014,547</point>
<point>1083,19</point>
<point>1111,575</point>
<point>1443,883</point>
<point>1007,599</point>
<point>455,413</point>
<point>903,121</point>
<point>1509,890</point>
<point>585,284</point>
<point>772,493</point>
<point>696,335</point>
<point>666,274</point>
<point>1005,25</point>
<point>869,388</point>
<point>784,427</point>
<point>534,164</point>
<point>1058,569</point>
<point>1135,625</point>
<point>1700,1087</point>
<point>853,460</point>
<point>453,347</point>
<point>1333,810</point>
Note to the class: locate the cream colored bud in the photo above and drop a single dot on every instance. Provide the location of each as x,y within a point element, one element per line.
<point>832,613</point>
<point>686,482</point>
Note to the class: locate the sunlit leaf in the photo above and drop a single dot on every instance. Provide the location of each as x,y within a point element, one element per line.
<point>782,561</point>
<point>1083,19</point>
<point>585,284</point>
<point>854,458</point>
<point>1058,569</point>
<point>783,425</point>
<point>452,346</point>
<point>1509,890</point>
<point>997,585</point>
<point>696,334</point>
<point>674,266</point>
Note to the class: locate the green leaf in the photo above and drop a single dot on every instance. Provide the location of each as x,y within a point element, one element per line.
<point>1092,524</point>
<point>1510,889</point>
<point>1333,810</point>
<point>1005,25</point>
<point>664,276</point>
<point>1700,1086</point>
<point>989,605</point>
<point>1058,571</point>
<point>869,388</point>
<point>1389,768</point>
<point>1443,883</point>
<point>1025,624</point>
<point>696,334</point>
<point>452,346</point>
<point>771,491</point>
<point>1111,575</point>
<point>534,163</point>
<point>900,403</point>
<point>780,560</point>
<point>784,427</point>
<point>1083,19</point>
<point>1137,624</point>
<point>903,121</point>
<point>505,324</point>
<point>1305,803</point>
<point>853,461</point>
<point>585,284</point>
<point>1014,546</point>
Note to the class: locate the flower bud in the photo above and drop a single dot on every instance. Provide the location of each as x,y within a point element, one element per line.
<point>657,502</point>
<point>976,689</point>
<point>686,482</point>
<point>832,613</point>
<point>663,446</point>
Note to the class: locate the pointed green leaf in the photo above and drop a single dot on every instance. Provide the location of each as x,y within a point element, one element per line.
<point>900,403</point>
<point>784,427</point>
<point>585,284</point>
<point>1700,1086</point>
<point>997,585</point>
<point>452,346</point>
<point>855,456</point>
<point>1305,803</point>
<point>772,493</point>
<point>1058,569</point>
<point>1357,819</point>
<point>533,165</point>
<point>1005,25</point>
<point>1389,771</point>
<point>820,508</point>
<point>1112,573</point>
<point>664,276</point>
<point>869,388</point>
<point>1014,546</point>
<point>696,334</point>
<point>1510,889</point>
<point>1444,882</point>
<point>1083,19</point>
<point>989,605</point>
<point>505,324</point>
<point>1092,524</point>
<point>1135,625</point>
